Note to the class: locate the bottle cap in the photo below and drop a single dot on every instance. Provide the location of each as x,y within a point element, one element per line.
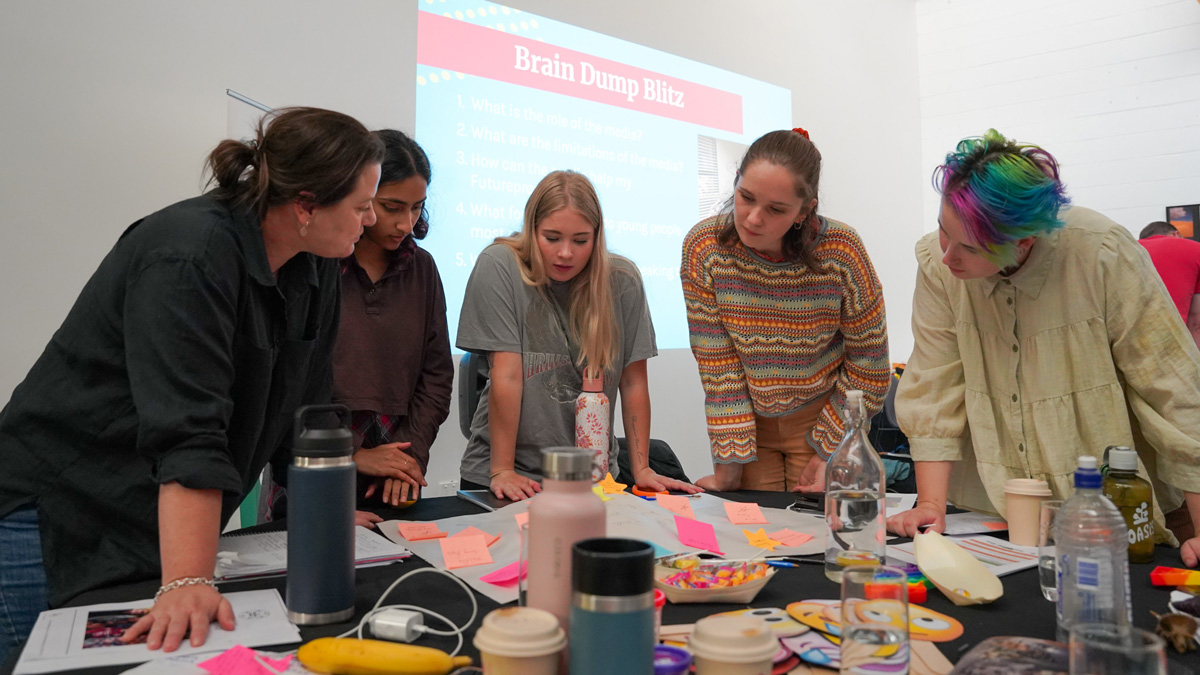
<point>612,567</point>
<point>1122,458</point>
<point>567,463</point>
<point>593,383</point>
<point>1027,486</point>
<point>1087,475</point>
<point>322,442</point>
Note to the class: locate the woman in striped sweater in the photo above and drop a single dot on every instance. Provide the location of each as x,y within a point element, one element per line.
<point>786,315</point>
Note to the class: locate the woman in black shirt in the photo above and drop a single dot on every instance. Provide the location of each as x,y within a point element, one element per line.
<point>173,379</point>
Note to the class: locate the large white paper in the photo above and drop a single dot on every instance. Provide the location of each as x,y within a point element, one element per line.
<point>86,637</point>
<point>628,516</point>
<point>1000,556</point>
<point>265,553</point>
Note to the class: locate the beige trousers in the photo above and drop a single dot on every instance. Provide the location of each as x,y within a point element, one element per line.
<point>783,449</point>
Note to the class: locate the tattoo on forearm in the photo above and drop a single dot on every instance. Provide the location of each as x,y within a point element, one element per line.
<point>636,451</point>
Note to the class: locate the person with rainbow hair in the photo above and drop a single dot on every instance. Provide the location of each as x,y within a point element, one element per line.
<point>1041,334</point>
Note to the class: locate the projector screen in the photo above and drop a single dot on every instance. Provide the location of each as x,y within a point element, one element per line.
<point>504,97</point>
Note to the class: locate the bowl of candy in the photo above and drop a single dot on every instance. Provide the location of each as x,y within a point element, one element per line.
<point>689,580</point>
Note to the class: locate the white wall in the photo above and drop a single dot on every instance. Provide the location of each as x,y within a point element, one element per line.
<point>1110,87</point>
<point>109,108</point>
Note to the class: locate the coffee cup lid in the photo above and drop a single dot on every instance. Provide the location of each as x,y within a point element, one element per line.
<point>733,639</point>
<point>518,632</point>
<point>1027,486</point>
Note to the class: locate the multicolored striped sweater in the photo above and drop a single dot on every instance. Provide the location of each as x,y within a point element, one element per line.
<point>770,337</point>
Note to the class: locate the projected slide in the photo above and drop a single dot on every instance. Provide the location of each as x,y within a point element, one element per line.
<point>504,97</point>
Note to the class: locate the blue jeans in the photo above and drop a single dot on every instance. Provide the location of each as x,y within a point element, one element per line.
<point>22,577</point>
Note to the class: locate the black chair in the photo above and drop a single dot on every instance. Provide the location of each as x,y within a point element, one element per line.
<point>471,381</point>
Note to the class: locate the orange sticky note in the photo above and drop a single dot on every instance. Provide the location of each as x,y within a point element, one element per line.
<point>465,551</point>
<point>610,485</point>
<point>522,519</point>
<point>744,514</point>
<point>419,531</point>
<point>760,539</point>
<point>472,530</point>
<point>996,526</point>
<point>790,538</point>
<point>676,504</point>
<point>694,533</point>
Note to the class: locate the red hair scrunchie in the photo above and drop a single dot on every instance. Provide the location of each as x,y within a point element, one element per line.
<point>802,132</point>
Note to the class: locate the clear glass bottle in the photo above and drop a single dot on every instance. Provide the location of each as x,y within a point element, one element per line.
<point>1134,497</point>
<point>854,496</point>
<point>1092,543</point>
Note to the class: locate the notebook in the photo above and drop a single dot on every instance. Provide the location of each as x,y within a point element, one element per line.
<point>243,555</point>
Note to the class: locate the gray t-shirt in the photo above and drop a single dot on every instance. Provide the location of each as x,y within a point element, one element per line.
<point>500,313</point>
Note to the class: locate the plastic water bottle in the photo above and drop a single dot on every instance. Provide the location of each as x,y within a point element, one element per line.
<point>1134,498</point>
<point>591,422</point>
<point>1093,556</point>
<point>854,502</point>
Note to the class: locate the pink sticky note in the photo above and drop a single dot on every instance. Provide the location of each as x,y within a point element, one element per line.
<point>676,504</point>
<point>465,551</point>
<point>697,534</point>
<point>790,538</point>
<point>522,518</point>
<point>505,576</point>
<point>993,525</point>
<point>241,660</point>
<point>744,514</point>
<point>419,531</point>
<point>472,530</point>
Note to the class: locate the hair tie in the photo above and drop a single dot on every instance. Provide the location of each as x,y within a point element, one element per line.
<point>802,132</point>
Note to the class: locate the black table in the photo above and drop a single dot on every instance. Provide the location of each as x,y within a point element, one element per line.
<point>1021,611</point>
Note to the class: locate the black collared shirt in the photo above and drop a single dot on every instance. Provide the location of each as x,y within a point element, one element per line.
<point>183,359</point>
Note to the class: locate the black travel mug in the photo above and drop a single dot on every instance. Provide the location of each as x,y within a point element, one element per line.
<point>320,520</point>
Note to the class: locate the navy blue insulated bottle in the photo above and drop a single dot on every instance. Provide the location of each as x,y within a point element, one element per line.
<point>320,520</point>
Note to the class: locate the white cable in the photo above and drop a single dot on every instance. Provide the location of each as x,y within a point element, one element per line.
<point>456,631</point>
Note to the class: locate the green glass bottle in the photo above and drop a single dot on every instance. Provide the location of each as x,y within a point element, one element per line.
<point>1134,496</point>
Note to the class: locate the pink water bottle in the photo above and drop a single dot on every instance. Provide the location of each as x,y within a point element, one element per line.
<point>591,422</point>
<point>564,512</point>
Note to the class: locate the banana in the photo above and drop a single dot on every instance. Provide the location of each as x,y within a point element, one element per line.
<point>347,656</point>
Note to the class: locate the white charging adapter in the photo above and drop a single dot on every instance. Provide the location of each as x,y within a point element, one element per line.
<point>397,625</point>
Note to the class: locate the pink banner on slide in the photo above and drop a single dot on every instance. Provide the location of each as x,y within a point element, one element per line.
<point>486,52</point>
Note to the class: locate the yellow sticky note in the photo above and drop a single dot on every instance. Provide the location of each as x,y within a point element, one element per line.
<point>465,551</point>
<point>610,485</point>
<point>760,539</point>
<point>600,493</point>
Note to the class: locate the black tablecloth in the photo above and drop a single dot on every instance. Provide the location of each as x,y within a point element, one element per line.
<point>1021,611</point>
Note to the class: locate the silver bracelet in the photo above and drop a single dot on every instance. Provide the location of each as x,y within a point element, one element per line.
<point>186,581</point>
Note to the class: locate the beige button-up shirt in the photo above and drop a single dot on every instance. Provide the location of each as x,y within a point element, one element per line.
<point>1080,349</point>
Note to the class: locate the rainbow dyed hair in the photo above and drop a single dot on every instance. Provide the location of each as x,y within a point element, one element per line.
<point>1003,192</point>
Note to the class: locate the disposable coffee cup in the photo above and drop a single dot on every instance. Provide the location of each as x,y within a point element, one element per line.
<point>732,645</point>
<point>520,641</point>
<point>1023,499</point>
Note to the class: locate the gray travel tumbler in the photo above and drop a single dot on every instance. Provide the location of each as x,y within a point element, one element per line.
<point>320,520</point>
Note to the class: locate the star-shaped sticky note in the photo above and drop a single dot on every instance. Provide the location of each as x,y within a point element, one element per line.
<point>600,493</point>
<point>611,486</point>
<point>760,539</point>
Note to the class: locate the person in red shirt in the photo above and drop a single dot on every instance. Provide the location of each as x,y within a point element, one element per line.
<point>1178,263</point>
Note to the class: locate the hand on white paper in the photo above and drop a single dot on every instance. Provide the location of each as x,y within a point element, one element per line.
<point>177,613</point>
